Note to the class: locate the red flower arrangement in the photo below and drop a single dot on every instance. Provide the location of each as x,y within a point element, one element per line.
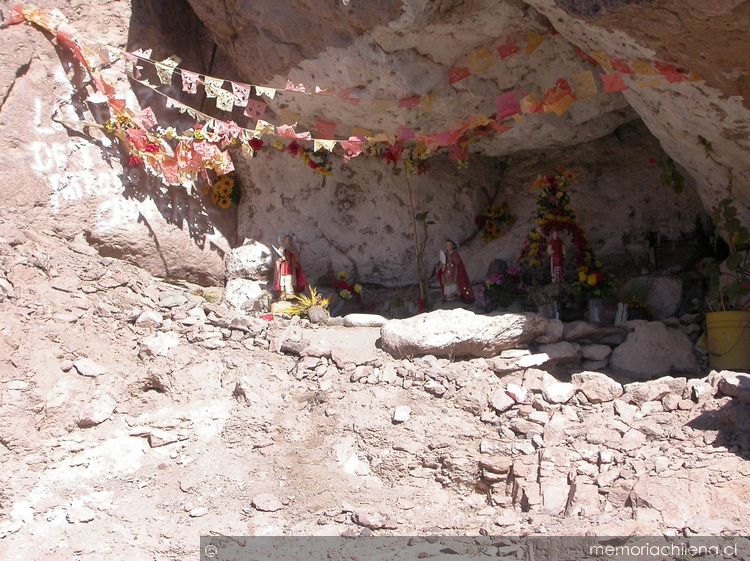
<point>135,162</point>
<point>256,144</point>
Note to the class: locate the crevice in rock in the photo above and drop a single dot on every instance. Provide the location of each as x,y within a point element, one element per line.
<point>20,73</point>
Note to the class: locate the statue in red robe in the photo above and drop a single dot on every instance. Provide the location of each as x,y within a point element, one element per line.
<point>451,273</point>
<point>556,252</point>
<point>289,279</point>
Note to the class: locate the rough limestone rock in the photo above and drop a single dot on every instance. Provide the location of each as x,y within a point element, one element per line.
<point>459,333</point>
<point>243,293</point>
<point>597,387</point>
<point>653,350</point>
<point>252,260</point>
<point>562,392</point>
<point>733,384</point>
<point>561,352</point>
<point>96,410</point>
<point>596,352</point>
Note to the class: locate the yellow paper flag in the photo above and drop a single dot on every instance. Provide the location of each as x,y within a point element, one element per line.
<point>644,68</point>
<point>652,83</point>
<point>288,117</point>
<point>381,104</point>
<point>584,84</point>
<point>361,132</point>
<point>481,60</point>
<point>559,106</point>
<point>380,137</point>
<point>325,144</point>
<point>533,41</point>
<point>426,104</point>
<point>603,59</point>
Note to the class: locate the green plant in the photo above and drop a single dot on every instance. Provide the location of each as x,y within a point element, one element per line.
<point>729,281</point>
<point>303,303</point>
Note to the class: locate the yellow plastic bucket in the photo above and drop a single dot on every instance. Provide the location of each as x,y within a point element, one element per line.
<point>728,335</point>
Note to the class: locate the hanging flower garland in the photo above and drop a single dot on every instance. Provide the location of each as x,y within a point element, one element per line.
<point>494,221</point>
<point>554,213</point>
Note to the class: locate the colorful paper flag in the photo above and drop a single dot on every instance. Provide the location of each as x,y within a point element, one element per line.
<point>147,119</point>
<point>405,133</point>
<point>360,132</point>
<point>325,129</point>
<point>290,87</point>
<point>644,68</point>
<point>531,104</point>
<point>584,85</point>
<point>456,74</point>
<point>212,86</point>
<point>507,105</point>
<point>379,105</point>
<point>602,59</point>
<point>670,72</point>
<point>352,147</point>
<point>324,144</point>
<point>165,69</point>
<point>262,127</point>
<point>241,94</point>
<point>533,41</point>
<point>613,83</point>
<point>255,108</point>
<point>508,49</point>
<point>558,99</point>
<point>224,100</point>
<point>270,93</point>
<point>651,83</point>
<point>621,66</point>
<point>289,117</point>
<point>425,105</point>
<point>289,132</point>
<point>189,82</point>
<point>411,101</point>
<point>480,61</point>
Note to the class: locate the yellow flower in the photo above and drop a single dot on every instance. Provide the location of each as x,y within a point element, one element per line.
<point>583,276</point>
<point>225,202</point>
<point>345,294</point>
<point>343,275</point>
<point>358,288</point>
<point>278,144</point>
<point>198,135</point>
<point>592,279</point>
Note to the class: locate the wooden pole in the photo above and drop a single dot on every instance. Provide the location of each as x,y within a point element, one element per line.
<point>420,274</point>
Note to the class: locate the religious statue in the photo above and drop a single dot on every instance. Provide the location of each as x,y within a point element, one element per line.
<point>556,252</point>
<point>289,279</point>
<point>451,273</point>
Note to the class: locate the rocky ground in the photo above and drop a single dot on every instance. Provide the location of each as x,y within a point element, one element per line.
<point>137,415</point>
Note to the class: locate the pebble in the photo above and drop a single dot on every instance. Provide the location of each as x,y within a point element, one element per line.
<point>401,414</point>
<point>198,512</point>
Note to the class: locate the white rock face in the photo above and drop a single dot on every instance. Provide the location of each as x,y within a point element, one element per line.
<point>252,260</point>
<point>242,293</point>
<point>654,350</point>
<point>459,333</point>
<point>597,387</point>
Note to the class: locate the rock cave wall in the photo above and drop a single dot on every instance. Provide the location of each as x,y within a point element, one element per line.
<point>385,50</point>
<point>358,220</point>
<point>72,180</point>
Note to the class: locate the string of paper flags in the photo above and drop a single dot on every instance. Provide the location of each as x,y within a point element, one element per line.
<point>205,147</point>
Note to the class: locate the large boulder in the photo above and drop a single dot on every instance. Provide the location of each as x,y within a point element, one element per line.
<point>654,350</point>
<point>459,333</point>
<point>242,294</point>
<point>252,260</point>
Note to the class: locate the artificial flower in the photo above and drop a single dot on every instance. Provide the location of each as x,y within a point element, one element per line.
<point>591,280</point>
<point>345,294</point>
<point>358,288</point>
<point>343,275</point>
<point>135,162</point>
<point>256,144</point>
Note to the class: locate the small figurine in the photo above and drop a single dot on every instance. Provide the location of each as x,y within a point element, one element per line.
<point>451,274</point>
<point>289,279</point>
<point>556,251</point>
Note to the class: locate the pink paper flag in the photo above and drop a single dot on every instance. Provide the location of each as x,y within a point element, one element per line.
<point>613,83</point>
<point>508,49</point>
<point>288,132</point>
<point>456,74</point>
<point>352,147</point>
<point>290,87</point>
<point>325,129</point>
<point>508,105</point>
<point>189,82</point>
<point>241,94</point>
<point>147,119</point>
<point>255,108</point>
<point>405,133</point>
<point>411,101</point>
